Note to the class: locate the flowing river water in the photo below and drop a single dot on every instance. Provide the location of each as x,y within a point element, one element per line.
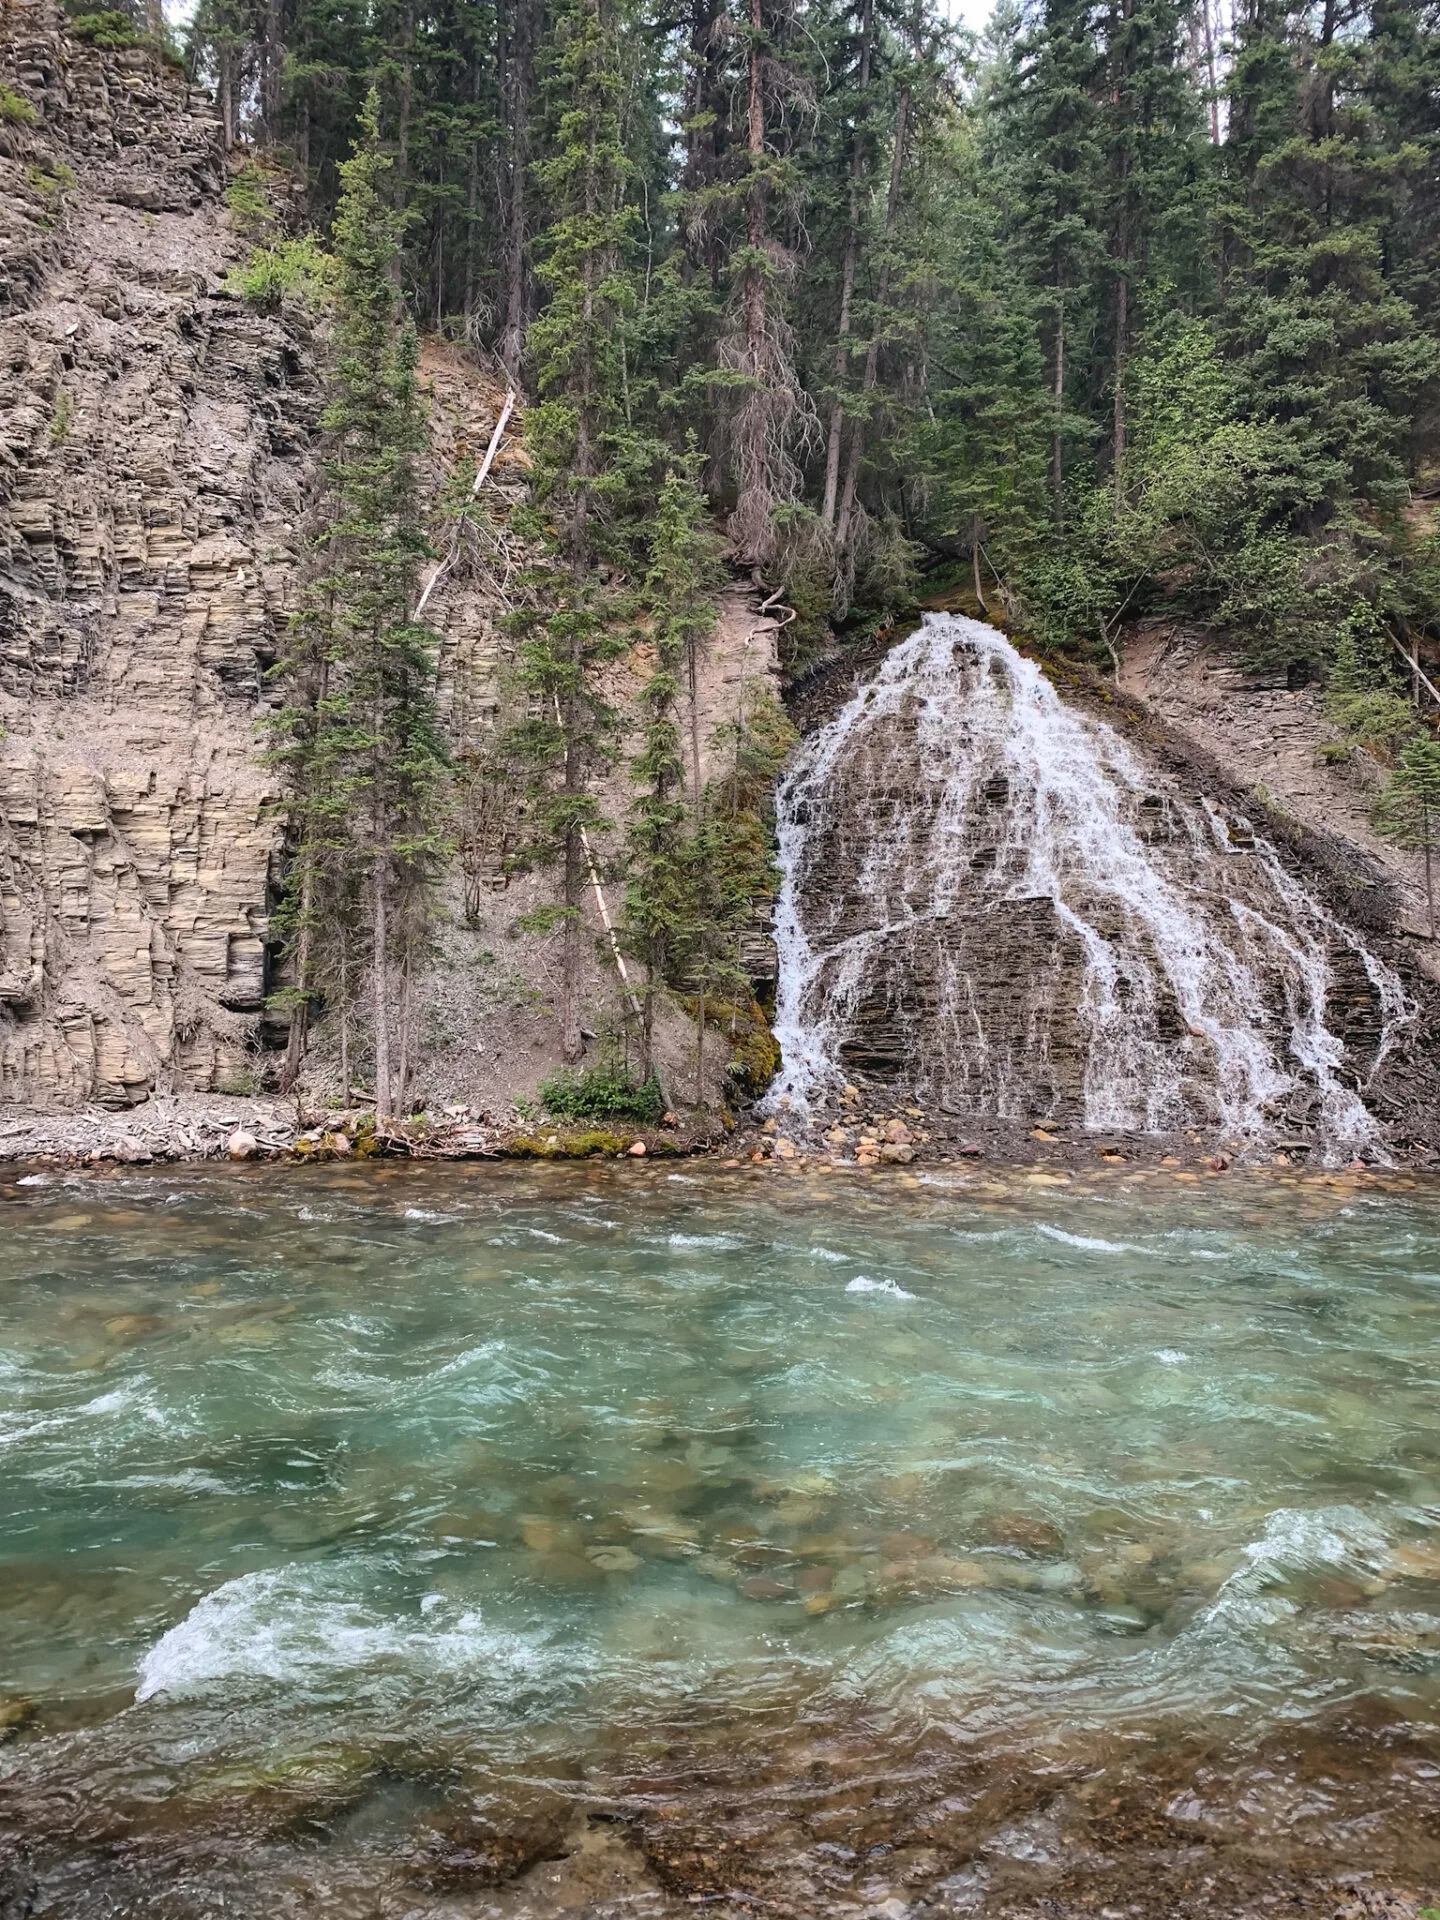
<point>373,1538</point>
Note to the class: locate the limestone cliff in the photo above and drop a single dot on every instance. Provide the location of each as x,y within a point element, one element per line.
<point>157,461</point>
<point>155,440</point>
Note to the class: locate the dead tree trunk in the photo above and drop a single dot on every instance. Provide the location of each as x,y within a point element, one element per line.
<point>847,286</point>
<point>872,352</point>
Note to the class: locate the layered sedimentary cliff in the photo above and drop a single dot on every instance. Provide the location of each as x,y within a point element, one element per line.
<point>1012,909</point>
<point>158,459</point>
<point>155,438</point>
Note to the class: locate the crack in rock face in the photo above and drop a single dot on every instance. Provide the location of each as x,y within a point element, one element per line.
<point>990,899</point>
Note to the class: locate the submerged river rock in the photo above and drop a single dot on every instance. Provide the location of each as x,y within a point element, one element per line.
<point>518,1541</point>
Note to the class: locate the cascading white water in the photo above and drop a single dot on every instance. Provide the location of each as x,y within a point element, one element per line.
<point>987,897</point>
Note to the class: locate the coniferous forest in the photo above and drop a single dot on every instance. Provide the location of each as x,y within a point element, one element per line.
<point>1159,280</point>
<point>1115,307</point>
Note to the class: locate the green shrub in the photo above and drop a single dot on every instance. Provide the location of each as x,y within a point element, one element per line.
<point>111,31</point>
<point>248,201</point>
<point>604,1093</point>
<point>16,109</point>
<point>294,269</point>
<point>60,420</point>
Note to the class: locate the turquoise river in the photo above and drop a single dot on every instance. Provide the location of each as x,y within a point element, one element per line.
<point>644,1540</point>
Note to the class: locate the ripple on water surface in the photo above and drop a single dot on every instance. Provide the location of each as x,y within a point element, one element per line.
<point>315,1480</point>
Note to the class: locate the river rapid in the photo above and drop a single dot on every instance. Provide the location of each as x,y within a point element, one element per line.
<point>627,1540</point>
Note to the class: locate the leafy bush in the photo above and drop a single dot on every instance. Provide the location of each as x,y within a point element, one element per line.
<point>293,269</point>
<point>111,31</point>
<point>16,109</point>
<point>604,1093</point>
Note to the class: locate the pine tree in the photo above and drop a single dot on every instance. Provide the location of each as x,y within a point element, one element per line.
<point>1408,811</point>
<point>1044,147</point>
<point>679,590</point>
<point>1332,352</point>
<point>359,734</point>
<point>1149,141</point>
<point>585,468</point>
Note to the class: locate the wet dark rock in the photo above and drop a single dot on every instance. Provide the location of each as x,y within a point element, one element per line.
<point>1025,1532</point>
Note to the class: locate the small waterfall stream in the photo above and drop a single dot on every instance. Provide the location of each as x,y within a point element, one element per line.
<point>989,899</point>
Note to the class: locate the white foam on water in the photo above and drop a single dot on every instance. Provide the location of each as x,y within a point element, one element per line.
<point>34,1180</point>
<point>1296,1540</point>
<point>118,1400</point>
<point>302,1627</point>
<point>1084,1241</point>
<point>1151,917</point>
<point>1171,1357</point>
<point>862,1283</point>
<point>183,1480</point>
<point>721,1242</point>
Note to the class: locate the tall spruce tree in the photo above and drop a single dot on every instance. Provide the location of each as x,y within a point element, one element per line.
<point>358,733</point>
<point>585,467</point>
<point>679,592</point>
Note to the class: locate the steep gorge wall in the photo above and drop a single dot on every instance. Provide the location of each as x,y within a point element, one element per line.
<point>154,466</point>
<point>158,461</point>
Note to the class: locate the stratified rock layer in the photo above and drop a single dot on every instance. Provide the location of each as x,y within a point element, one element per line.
<point>995,902</point>
<point>154,463</point>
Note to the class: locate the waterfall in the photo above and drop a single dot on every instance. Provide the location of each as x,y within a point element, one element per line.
<point>989,899</point>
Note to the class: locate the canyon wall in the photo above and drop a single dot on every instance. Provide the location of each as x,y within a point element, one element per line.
<point>158,460</point>
<point>155,462</point>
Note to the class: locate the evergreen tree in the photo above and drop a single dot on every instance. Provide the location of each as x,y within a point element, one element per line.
<point>359,734</point>
<point>1408,811</point>
<point>1328,347</point>
<point>1044,145</point>
<point>585,468</point>
<point>679,590</point>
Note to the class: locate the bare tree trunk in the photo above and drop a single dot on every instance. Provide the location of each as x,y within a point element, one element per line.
<point>381,968</point>
<point>472,215</point>
<point>1210,68</point>
<point>755,287</point>
<point>402,1075</point>
<point>512,258</point>
<point>701,156</point>
<point>300,1012</point>
<point>1057,448</point>
<point>1122,334</point>
<point>872,352</point>
<point>1429,880</point>
<point>272,71</point>
<point>847,285</point>
<point>691,670</point>
<point>344,1039</point>
<point>975,559</point>
<point>227,94</point>
<point>572,1044</point>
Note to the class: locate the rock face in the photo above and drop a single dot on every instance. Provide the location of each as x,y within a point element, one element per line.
<point>1274,737</point>
<point>994,900</point>
<point>158,459</point>
<point>154,464</point>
